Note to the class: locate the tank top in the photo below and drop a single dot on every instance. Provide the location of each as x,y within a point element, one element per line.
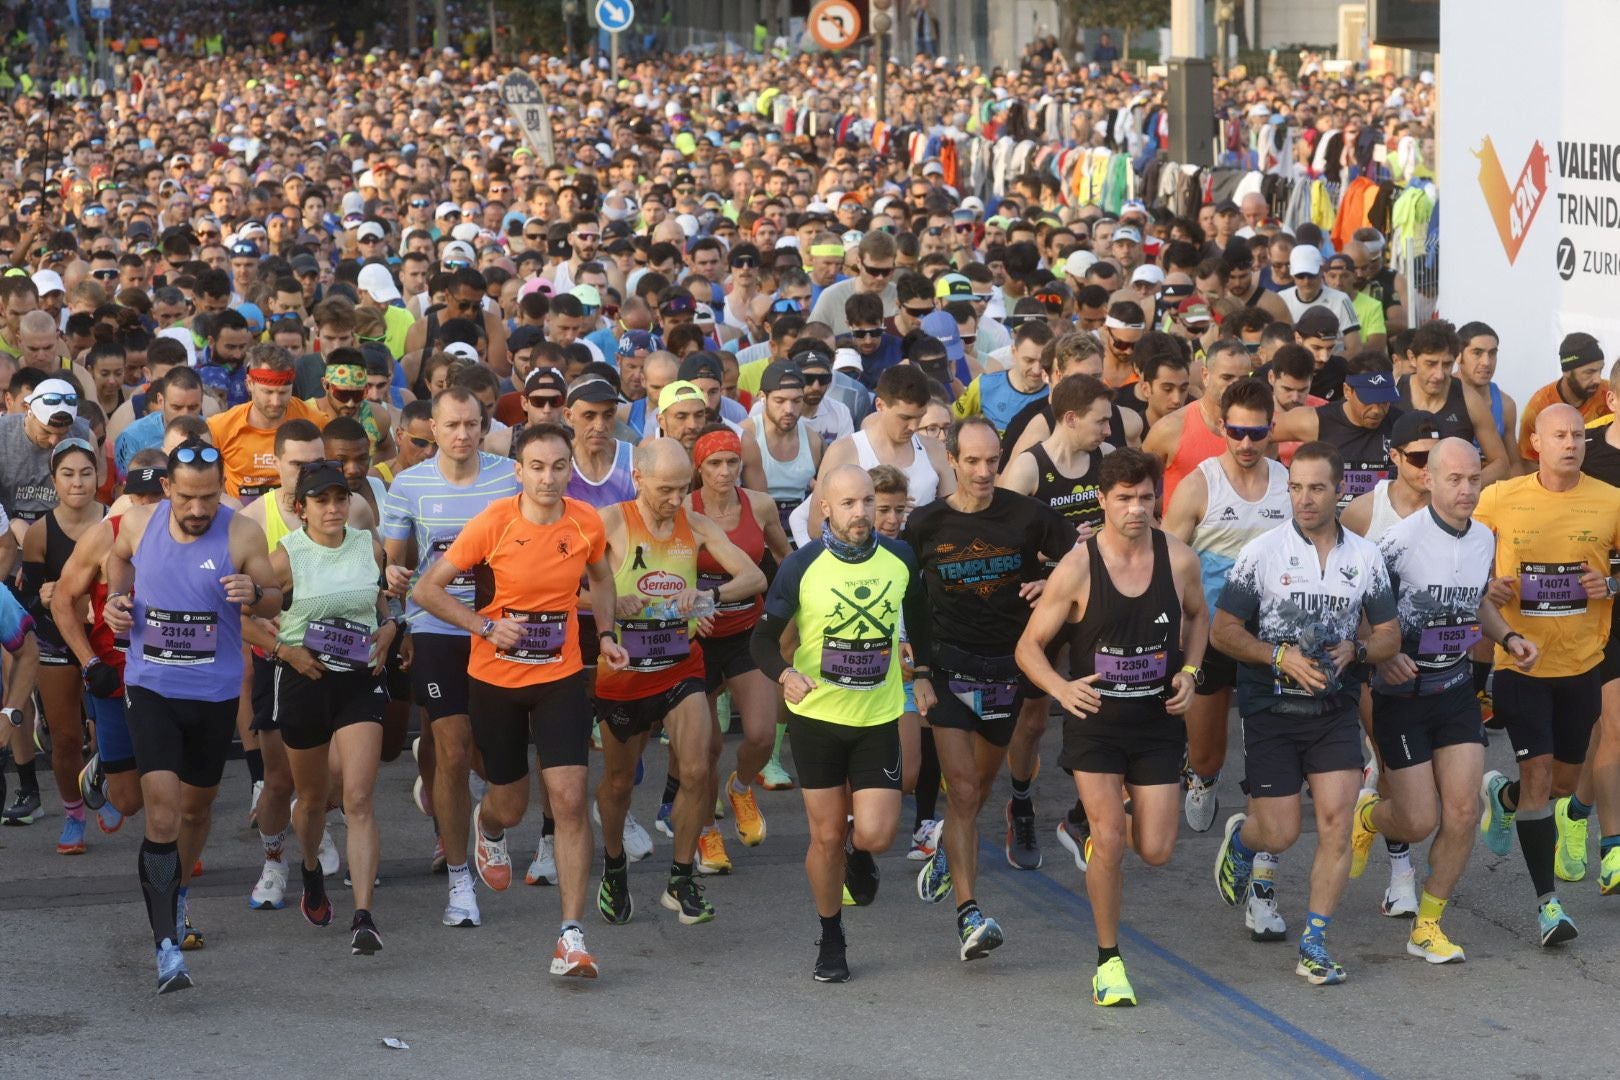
<point>1230,521</point>
<point>787,482</point>
<point>186,641</point>
<point>922,482</point>
<point>1452,418</point>
<point>58,550</point>
<point>276,527</point>
<point>333,612</point>
<point>615,487</point>
<point>386,468</point>
<point>1133,642</point>
<point>1076,498</point>
<point>1384,513</point>
<point>1496,410</point>
<point>1364,451</point>
<point>1197,444</point>
<point>733,616</point>
<point>659,642</point>
<point>108,648</point>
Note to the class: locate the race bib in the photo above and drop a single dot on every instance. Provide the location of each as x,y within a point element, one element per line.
<point>1551,590</point>
<point>1135,672</point>
<point>1444,641</point>
<point>438,546</point>
<point>855,663</point>
<point>990,700</point>
<point>1362,478</point>
<point>180,638</point>
<point>544,635</point>
<point>654,644</point>
<point>340,645</point>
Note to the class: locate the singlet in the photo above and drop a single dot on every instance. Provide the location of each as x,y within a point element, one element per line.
<point>58,550</point>
<point>848,619</point>
<point>787,482</point>
<point>1076,498</point>
<point>922,482</point>
<point>386,468</point>
<point>1384,513</point>
<point>1363,451</point>
<point>1452,417</point>
<point>1197,444</point>
<point>424,506</point>
<point>186,641</point>
<point>615,487</point>
<point>1132,642</point>
<point>1230,521</point>
<point>107,647</point>
<point>276,528</point>
<point>660,642</point>
<point>1498,416</point>
<point>733,616</point>
<point>1438,576</point>
<point>637,417</point>
<point>333,612</point>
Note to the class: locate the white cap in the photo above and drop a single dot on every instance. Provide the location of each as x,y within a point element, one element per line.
<point>688,224</point>
<point>367,179</point>
<point>370,230</point>
<point>1148,273</point>
<point>458,250</point>
<point>846,360</point>
<point>446,208</point>
<point>354,203</point>
<point>787,242</point>
<point>851,240</point>
<point>703,313</point>
<point>48,281</point>
<point>43,412</point>
<point>467,232</point>
<point>376,280</point>
<point>1305,260</point>
<point>183,336</point>
<point>1079,262</point>
<point>974,203</point>
<point>462,350</point>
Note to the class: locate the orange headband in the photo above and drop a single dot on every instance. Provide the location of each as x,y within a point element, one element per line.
<point>270,377</point>
<point>715,442</point>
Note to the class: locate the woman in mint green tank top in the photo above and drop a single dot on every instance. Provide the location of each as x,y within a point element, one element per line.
<point>330,648</point>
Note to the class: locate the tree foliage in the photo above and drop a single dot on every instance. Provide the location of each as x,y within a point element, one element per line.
<point>1127,16</point>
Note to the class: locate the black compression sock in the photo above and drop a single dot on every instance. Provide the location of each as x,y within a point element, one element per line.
<point>832,929</point>
<point>255,764</point>
<point>1105,955</point>
<point>27,778</point>
<point>672,784</point>
<point>548,825</point>
<point>1538,838</point>
<point>159,869</point>
<point>927,792</point>
<point>1021,804</point>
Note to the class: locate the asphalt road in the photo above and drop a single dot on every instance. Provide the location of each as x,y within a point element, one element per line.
<point>735,997</point>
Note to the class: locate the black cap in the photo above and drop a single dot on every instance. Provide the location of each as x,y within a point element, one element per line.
<point>702,365</point>
<point>595,391</point>
<point>545,379</point>
<point>323,478</point>
<point>524,337</point>
<point>1226,206</point>
<point>305,264</point>
<point>1578,350</point>
<point>1409,427</point>
<point>781,375</point>
<point>1317,322</point>
<point>146,481</point>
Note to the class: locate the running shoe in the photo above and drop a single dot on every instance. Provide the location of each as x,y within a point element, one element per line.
<point>1487,709</point>
<point>745,815</point>
<point>934,879</point>
<point>1496,823</point>
<point>712,859</point>
<point>775,778</point>
<point>314,903</point>
<point>270,894</point>
<point>328,855</point>
<point>191,938</point>
<point>860,876</point>
<point>1110,987</point>
<point>848,901</point>
<point>832,961</point>
<point>1200,804</point>
<point>462,910</point>
<point>419,795</point>
<point>1429,942</point>
<point>71,842</point>
<point>108,819</point>
<point>664,822</point>
<point>684,896</point>
<point>637,844</point>
<point>1570,861</point>
<point>1231,870</point>
<point>93,783</point>
<point>613,898</point>
<point>1021,849</point>
<point>979,933</point>
<point>1361,834</point>
<point>1401,898</point>
<point>922,842</point>
<point>1556,927</point>
<point>363,937</point>
<point>1317,966</point>
<point>255,789</point>
<point>494,864</point>
<point>42,736</point>
<point>570,957</point>
<point>416,749</point>
<point>25,809</point>
<point>1260,914</point>
<point>1609,872</point>
<point>171,969</point>
<point>438,864</point>
<point>348,880</point>
<point>543,870</point>
<point>1076,840</point>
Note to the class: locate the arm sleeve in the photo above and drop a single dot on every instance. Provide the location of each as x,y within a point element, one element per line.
<point>15,623</point>
<point>765,646</point>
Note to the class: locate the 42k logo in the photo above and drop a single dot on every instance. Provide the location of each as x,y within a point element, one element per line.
<point>1513,210</point>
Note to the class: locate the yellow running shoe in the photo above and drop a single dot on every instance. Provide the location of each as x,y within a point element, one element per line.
<point>711,853</point>
<point>1429,942</point>
<point>1361,835</point>
<point>1609,872</point>
<point>1110,987</point>
<point>745,815</point>
<point>1569,863</point>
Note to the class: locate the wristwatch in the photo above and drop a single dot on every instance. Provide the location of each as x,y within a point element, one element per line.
<point>1361,651</point>
<point>609,634</point>
<point>13,715</point>
<point>715,592</point>
<point>1612,585</point>
<point>487,629</point>
<point>1197,674</point>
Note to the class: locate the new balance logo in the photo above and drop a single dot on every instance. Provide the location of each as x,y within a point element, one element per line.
<point>1162,620</point>
<point>208,564</point>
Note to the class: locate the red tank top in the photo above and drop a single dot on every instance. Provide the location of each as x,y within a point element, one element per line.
<point>739,616</point>
<point>1197,444</point>
<point>109,649</point>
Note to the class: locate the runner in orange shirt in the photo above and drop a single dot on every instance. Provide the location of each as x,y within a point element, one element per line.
<point>246,434</point>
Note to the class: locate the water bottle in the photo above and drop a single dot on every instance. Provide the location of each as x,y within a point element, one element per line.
<point>704,607</point>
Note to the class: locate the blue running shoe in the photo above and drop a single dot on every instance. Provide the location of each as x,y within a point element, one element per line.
<point>1496,823</point>
<point>1232,871</point>
<point>71,842</point>
<point>664,822</point>
<point>1556,927</point>
<point>1316,965</point>
<point>109,819</point>
<point>980,935</point>
<point>171,965</point>
<point>934,879</point>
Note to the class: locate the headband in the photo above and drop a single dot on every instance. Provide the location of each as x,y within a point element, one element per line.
<point>271,377</point>
<point>827,251</point>
<point>1119,324</point>
<point>346,376</point>
<point>715,442</point>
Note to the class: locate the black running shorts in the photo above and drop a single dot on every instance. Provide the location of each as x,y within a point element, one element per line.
<point>178,735</point>
<point>553,717</point>
<point>827,755</point>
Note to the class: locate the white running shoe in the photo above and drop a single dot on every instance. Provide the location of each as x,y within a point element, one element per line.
<point>922,841</point>
<point>637,844</point>
<point>1401,898</point>
<point>253,804</point>
<point>462,910</point>
<point>1260,914</point>
<point>328,855</point>
<point>543,870</point>
<point>1201,804</point>
<point>270,894</point>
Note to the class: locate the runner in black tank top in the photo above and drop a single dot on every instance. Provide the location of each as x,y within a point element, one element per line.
<point>1452,417</point>
<point>1134,644</point>
<point>1364,451</point>
<point>1075,498</point>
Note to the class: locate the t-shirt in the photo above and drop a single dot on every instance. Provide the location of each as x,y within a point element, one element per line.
<point>250,452</point>
<point>1542,539</point>
<point>143,434</point>
<point>1593,408</point>
<point>1438,577</point>
<point>26,491</point>
<point>502,548</point>
<point>397,323</point>
<point>829,306</point>
<point>423,505</point>
<point>974,564</point>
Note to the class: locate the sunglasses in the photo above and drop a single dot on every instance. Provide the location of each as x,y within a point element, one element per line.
<point>934,230</point>
<point>743,262</point>
<point>873,332</point>
<point>821,379</point>
<point>968,340</point>
<point>420,203</point>
<point>371,240</point>
<point>1419,458</point>
<point>546,401</point>
<point>587,237</point>
<point>876,271</point>
<point>191,455</point>
<point>535,238</point>
<point>70,400</point>
<point>104,275</point>
<point>918,312</point>
<point>964,228</point>
<point>1240,433</point>
<point>1121,344</point>
<point>348,397</point>
<point>315,466</point>
<point>419,442</point>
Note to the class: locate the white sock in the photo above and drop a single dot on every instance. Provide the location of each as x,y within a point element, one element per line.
<point>740,788</point>
<point>1400,863</point>
<point>273,844</point>
<point>459,877</point>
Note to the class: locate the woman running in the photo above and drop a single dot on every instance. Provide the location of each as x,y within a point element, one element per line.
<point>328,656</point>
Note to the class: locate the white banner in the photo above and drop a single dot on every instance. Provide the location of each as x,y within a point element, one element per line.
<point>526,101</point>
<point>1530,179</point>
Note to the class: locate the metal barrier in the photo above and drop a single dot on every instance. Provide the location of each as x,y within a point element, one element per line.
<point>1418,261</point>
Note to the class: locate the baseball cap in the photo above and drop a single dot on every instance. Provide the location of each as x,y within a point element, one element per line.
<point>314,481</point>
<point>1126,232</point>
<point>941,325</point>
<point>253,316</point>
<point>680,390</point>
<point>54,403</point>
<point>953,287</point>
<point>524,337</point>
<point>595,390</point>
<point>586,295</point>
<point>702,365</point>
<point>1305,260</point>
<point>1195,312</point>
<point>463,351</point>
<point>145,481</point>
<point>1317,322</point>
<point>48,281</point>
<point>1147,273</point>
<point>304,264</point>
<point>1411,426</point>
<point>1374,387</point>
<point>1576,350</point>
<point>376,280</point>
<point>847,360</point>
<point>545,378</point>
<point>445,209</point>
<point>634,341</point>
<point>244,249</point>
<point>370,231</point>
<point>1079,262</point>
<point>781,375</point>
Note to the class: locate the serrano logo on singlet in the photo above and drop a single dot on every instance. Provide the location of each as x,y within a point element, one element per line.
<point>660,583</point>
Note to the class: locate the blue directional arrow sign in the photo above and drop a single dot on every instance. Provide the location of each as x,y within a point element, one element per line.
<point>615,15</point>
